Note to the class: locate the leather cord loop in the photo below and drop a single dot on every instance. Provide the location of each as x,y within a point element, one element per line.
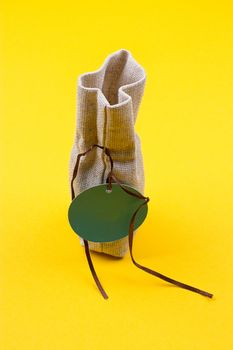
<point>75,171</point>
<point>111,177</point>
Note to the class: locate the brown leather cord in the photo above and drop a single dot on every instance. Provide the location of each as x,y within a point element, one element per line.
<point>146,269</point>
<point>152,272</point>
<point>87,250</point>
<point>110,178</point>
<point>137,195</point>
<point>75,171</point>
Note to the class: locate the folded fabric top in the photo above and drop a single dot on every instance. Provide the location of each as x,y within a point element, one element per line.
<point>120,79</point>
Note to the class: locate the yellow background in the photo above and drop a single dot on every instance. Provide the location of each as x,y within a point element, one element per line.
<point>48,298</point>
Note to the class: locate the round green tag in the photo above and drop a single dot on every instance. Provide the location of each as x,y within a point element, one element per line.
<point>101,216</point>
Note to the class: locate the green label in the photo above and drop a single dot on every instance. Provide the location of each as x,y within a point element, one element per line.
<point>99,216</point>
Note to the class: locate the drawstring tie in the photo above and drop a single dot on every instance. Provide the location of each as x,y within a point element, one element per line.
<point>111,177</point>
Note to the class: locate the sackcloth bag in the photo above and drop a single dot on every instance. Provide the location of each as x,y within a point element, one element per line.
<point>108,102</point>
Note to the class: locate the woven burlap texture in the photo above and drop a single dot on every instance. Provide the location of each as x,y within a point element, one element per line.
<point>108,101</point>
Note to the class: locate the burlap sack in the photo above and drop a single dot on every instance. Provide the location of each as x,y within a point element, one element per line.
<point>108,101</point>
